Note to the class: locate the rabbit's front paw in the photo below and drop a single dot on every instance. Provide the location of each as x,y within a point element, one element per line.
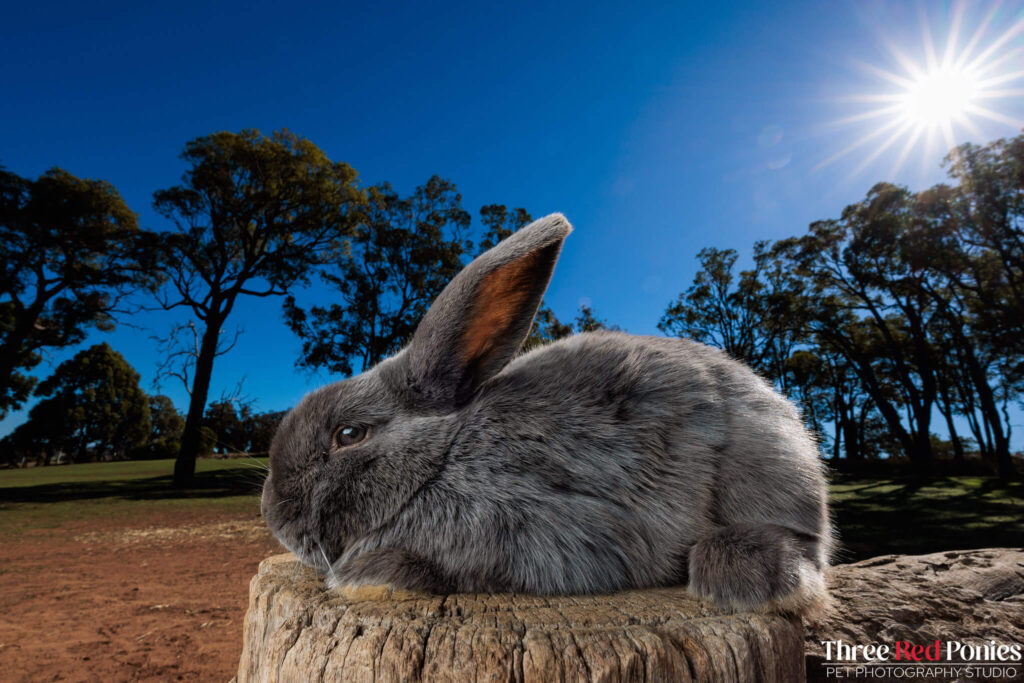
<point>756,567</point>
<point>380,574</point>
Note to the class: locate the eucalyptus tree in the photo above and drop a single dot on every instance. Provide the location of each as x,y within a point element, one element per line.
<point>846,317</point>
<point>972,287</point>
<point>401,254</point>
<point>253,216</point>
<point>739,313</point>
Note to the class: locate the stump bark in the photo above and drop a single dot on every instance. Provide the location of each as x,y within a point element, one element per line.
<point>971,596</point>
<point>297,630</point>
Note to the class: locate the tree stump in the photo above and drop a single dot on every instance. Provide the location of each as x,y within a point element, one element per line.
<point>297,630</point>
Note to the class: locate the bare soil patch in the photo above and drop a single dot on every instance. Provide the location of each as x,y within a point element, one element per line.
<point>158,597</point>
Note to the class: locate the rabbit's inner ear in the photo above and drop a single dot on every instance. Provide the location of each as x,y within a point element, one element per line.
<point>507,300</point>
<point>480,320</point>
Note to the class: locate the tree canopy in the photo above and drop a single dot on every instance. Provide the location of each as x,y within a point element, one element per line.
<point>70,251</point>
<point>402,253</point>
<point>92,406</point>
<point>901,316</point>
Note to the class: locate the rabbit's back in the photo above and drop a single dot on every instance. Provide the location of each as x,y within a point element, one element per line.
<point>734,448</point>
<point>594,463</point>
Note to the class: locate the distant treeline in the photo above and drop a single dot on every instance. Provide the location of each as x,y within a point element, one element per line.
<point>907,304</point>
<point>92,408</point>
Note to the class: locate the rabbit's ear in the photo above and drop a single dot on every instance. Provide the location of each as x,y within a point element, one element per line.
<point>482,317</point>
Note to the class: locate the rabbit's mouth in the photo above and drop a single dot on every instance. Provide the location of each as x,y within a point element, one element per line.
<point>308,550</point>
<point>289,532</point>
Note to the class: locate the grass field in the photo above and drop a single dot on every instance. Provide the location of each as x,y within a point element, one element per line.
<point>873,515</point>
<point>45,497</point>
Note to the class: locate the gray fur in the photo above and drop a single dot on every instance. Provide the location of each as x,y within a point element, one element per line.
<point>600,462</point>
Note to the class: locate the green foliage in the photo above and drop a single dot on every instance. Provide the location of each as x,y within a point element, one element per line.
<point>92,407</point>
<point>207,440</point>
<point>260,428</point>
<point>222,420</point>
<point>740,315</point>
<point>168,424</point>
<point>253,214</point>
<point>240,430</point>
<point>401,255</point>
<point>587,321</point>
<point>70,250</point>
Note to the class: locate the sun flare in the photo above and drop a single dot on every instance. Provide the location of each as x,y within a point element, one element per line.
<point>941,99</point>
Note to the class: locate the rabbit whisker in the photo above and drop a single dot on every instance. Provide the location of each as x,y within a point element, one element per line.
<point>330,567</point>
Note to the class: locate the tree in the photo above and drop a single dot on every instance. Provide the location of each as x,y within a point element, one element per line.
<point>222,419</point>
<point>845,307</point>
<point>739,315</point>
<point>260,428</point>
<point>166,420</point>
<point>165,436</point>
<point>70,251</point>
<point>973,238</point>
<point>917,306</point>
<point>253,215</point>
<point>403,252</point>
<point>906,306</point>
<point>92,407</point>
<point>238,428</point>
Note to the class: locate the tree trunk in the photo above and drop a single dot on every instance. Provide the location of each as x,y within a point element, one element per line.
<point>296,630</point>
<point>946,408</point>
<point>990,414</point>
<point>185,465</point>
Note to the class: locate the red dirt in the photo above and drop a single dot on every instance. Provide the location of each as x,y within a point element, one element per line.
<point>157,599</point>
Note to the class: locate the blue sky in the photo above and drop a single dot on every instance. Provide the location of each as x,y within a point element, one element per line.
<point>658,129</point>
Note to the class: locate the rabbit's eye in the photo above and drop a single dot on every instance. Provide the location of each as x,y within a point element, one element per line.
<point>349,435</point>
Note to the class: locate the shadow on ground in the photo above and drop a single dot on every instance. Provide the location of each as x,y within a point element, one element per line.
<point>884,516</point>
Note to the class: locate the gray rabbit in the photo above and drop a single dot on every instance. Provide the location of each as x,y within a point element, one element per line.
<point>600,462</point>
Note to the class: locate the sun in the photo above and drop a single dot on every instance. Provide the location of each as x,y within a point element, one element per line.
<point>940,97</point>
<point>939,100</point>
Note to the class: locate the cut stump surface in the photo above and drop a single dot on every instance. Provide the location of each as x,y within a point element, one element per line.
<point>296,629</point>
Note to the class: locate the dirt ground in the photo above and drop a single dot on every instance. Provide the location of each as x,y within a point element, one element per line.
<point>161,598</point>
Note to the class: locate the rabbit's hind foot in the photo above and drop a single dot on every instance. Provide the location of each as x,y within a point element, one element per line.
<point>759,567</point>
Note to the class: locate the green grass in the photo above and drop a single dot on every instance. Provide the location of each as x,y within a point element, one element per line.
<point>113,471</point>
<point>879,515</point>
<point>874,515</point>
<point>48,497</point>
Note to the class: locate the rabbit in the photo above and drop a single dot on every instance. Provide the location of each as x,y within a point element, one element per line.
<point>600,462</point>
